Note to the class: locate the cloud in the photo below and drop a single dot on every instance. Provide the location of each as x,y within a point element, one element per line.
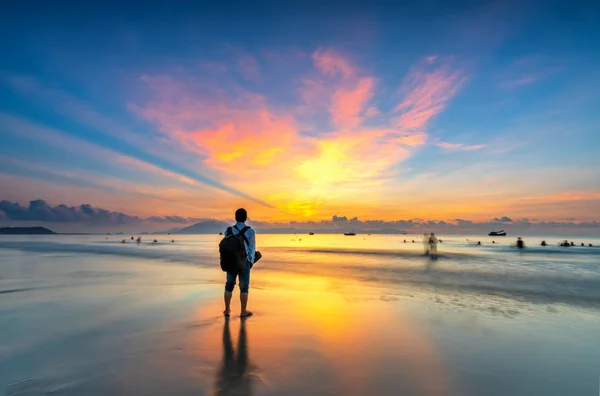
<point>528,70</point>
<point>331,62</point>
<point>342,155</point>
<point>349,103</point>
<point>40,211</point>
<point>32,131</point>
<point>170,219</point>
<point>459,146</point>
<point>227,130</point>
<point>525,80</point>
<point>91,218</point>
<point>426,91</point>
<point>351,89</point>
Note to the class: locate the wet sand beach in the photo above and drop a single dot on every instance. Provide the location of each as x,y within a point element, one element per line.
<point>81,316</point>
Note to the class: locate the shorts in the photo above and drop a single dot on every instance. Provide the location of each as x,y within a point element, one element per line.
<point>244,280</point>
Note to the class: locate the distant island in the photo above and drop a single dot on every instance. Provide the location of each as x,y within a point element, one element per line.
<point>203,227</point>
<point>25,231</point>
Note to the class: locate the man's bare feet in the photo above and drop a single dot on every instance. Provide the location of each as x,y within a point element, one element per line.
<point>227,312</point>
<point>245,314</point>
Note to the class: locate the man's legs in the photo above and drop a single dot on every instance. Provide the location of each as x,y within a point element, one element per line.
<point>227,298</point>
<point>244,301</point>
<point>244,285</point>
<point>229,285</point>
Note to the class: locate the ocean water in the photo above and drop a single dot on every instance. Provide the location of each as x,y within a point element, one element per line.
<point>334,314</point>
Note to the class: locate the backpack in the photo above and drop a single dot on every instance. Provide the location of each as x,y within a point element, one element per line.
<point>233,251</point>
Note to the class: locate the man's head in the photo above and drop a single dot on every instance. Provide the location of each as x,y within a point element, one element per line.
<point>241,215</point>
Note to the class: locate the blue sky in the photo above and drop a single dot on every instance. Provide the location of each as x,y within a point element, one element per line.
<point>436,110</point>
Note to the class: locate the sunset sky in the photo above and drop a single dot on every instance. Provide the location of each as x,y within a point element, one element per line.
<point>429,110</point>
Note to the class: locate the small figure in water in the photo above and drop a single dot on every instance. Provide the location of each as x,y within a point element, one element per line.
<point>172,240</point>
<point>591,245</point>
<point>426,244</point>
<point>478,243</point>
<point>493,241</point>
<point>544,243</point>
<point>123,241</point>
<point>433,241</point>
<point>572,244</point>
<point>582,244</point>
<point>565,243</point>
<point>520,243</point>
<point>405,241</point>
<point>439,240</point>
<point>132,238</point>
<point>413,241</point>
<point>155,241</point>
<point>138,240</point>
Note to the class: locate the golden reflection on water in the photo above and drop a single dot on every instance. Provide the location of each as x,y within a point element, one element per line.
<point>306,337</point>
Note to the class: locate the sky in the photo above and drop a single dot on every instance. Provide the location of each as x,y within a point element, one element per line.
<point>163,114</point>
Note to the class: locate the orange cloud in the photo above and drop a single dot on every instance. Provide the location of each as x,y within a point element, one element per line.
<point>245,137</point>
<point>230,134</point>
<point>566,196</point>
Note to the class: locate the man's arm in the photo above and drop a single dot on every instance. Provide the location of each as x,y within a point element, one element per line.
<point>251,244</point>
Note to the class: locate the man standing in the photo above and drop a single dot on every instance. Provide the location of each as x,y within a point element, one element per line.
<point>247,234</point>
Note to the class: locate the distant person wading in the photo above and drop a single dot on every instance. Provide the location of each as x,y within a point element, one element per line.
<point>433,242</point>
<point>237,255</point>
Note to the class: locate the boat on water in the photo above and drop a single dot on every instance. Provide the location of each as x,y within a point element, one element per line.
<point>349,233</point>
<point>497,233</point>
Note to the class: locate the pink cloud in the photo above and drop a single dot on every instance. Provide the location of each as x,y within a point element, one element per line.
<point>224,130</point>
<point>348,104</point>
<point>426,91</point>
<point>372,112</point>
<point>332,63</point>
<point>346,88</point>
<point>431,59</point>
<point>450,146</point>
<point>306,172</point>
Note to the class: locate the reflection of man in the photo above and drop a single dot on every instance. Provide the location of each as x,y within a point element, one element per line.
<point>234,376</point>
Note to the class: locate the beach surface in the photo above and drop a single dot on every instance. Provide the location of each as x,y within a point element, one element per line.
<point>333,315</point>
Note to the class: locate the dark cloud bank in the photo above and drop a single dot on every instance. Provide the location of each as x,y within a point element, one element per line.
<point>92,218</point>
<point>40,211</point>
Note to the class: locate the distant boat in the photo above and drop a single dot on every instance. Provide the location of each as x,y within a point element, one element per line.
<point>311,233</point>
<point>497,233</point>
<point>349,233</point>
